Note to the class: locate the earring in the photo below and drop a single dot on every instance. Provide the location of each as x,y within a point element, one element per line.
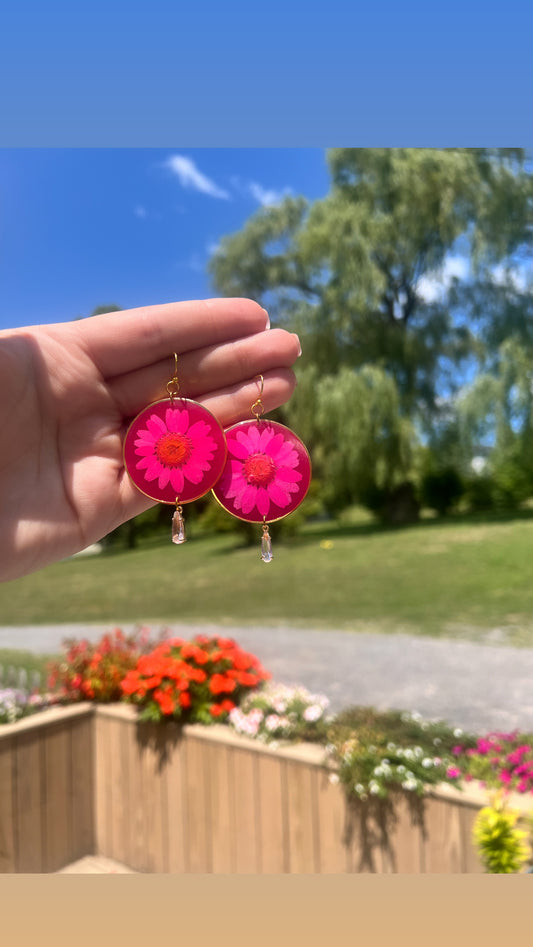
<point>266,475</point>
<point>174,452</point>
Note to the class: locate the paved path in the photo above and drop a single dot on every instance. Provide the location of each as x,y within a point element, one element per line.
<point>481,687</point>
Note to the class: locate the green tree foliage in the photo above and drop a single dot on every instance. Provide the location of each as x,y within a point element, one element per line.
<point>350,273</point>
<point>360,441</point>
<point>348,270</point>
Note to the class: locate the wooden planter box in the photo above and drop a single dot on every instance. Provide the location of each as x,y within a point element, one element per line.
<point>89,780</point>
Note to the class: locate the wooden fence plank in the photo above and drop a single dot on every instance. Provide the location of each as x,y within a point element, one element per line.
<point>176,815</point>
<point>220,815</point>
<point>29,808</point>
<point>332,826</point>
<point>273,835</point>
<point>245,827</point>
<point>196,798</point>
<point>302,814</point>
<point>442,849</point>
<point>83,787</point>
<point>154,797</point>
<point>7,835</point>
<point>59,810</point>
<point>471,861</point>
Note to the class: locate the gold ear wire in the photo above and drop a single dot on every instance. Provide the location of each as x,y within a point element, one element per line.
<point>258,408</point>
<point>173,386</point>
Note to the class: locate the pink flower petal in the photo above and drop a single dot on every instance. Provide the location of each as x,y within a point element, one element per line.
<point>287,458</point>
<point>176,479</point>
<point>198,429</point>
<point>266,437</point>
<point>144,450</point>
<point>192,471</point>
<point>278,495</point>
<point>164,478</point>
<point>288,475</point>
<point>248,499</point>
<point>144,462</point>
<point>144,437</point>
<point>153,471</point>
<point>236,487</point>
<point>156,426</point>
<point>172,417</point>
<point>247,440</point>
<point>238,449</point>
<point>262,501</point>
<point>177,420</point>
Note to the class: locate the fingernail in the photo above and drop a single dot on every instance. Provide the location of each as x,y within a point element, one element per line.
<point>268,319</point>
<point>299,345</point>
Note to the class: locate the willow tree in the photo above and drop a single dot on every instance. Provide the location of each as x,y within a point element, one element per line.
<point>356,272</point>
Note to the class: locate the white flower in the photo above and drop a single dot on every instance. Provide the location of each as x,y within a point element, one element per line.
<point>374,789</point>
<point>359,788</point>
<point>427,763</point>
<point>333,778</point>
<point>457,732</point>
<point>401,769</point>
<point>409,755</point>
<point>391,747</point>
<point>437,741</point>
<point>312,713</point>
<point>272,722</point>
<point>409,784</point>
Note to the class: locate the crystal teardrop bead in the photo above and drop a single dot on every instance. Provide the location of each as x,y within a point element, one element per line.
<point>266,548</point>
<point>178,528</point>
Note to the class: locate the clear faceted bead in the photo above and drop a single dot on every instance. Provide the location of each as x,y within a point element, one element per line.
<point>266,548</point>
<point>178,528</point>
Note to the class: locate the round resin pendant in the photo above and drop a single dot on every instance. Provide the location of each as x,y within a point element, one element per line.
<point>267,471</point>
<point>175,451</point>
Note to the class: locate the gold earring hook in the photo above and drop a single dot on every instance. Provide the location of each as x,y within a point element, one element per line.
<point>173,386</point>
<point>258,408</point>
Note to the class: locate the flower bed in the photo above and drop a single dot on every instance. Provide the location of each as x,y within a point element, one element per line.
<point>283,785</point>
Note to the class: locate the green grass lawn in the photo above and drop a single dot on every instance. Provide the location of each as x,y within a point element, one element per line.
<point>456,577</point>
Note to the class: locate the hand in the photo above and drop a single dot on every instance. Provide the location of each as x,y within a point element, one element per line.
<point>68,392</point>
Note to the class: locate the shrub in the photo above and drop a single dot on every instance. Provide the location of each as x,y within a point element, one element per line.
<point>95,671</point>
<point>375,752</point>
<point>501,845</point>
<point>196,681</point>
<point>441,489</point>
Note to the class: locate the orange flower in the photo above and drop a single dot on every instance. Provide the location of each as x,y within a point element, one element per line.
<point>219,684</point>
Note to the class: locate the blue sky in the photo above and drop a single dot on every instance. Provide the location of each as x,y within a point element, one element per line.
<point>86,227</point>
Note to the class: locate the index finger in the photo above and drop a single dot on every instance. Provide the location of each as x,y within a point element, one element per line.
<point>132,338</point>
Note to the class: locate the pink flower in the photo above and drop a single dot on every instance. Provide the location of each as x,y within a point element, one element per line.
<point>174,450</point>
<point>261,470</point>
<point>453,772</point>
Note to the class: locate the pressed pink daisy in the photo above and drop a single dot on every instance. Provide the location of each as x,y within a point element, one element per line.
<point>173,450</point>
<point>267,471</point>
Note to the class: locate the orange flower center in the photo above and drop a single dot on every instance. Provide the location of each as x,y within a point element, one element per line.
<point>259,469</point>
<point>173,450</point>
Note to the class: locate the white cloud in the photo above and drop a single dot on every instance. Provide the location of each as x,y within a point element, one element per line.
<point>433,287</point>
<point>191,177</point>
<point>267,197</point>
